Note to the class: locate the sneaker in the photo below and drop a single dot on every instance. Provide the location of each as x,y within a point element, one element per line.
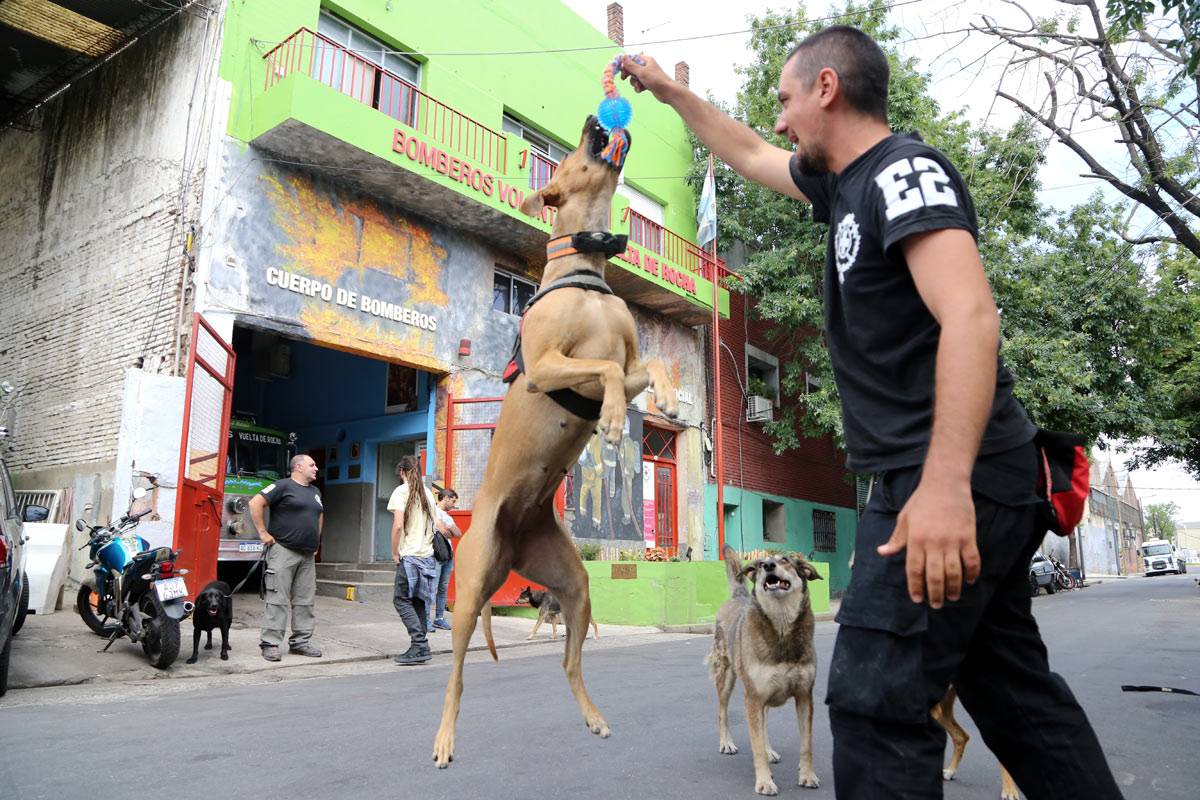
<point>305,650</point>
<point>440,622</point>
<point>430,628</point>
<point>270,652</point>
<point>417,654</point>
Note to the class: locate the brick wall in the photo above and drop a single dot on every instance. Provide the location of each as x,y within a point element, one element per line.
<point>814,471</point>
<point>91,253</point>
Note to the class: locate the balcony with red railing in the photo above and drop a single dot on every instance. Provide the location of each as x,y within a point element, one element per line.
<point>657,252</point>
<point>320,58</point>
<point>541,169</point>
<point>673,247</point>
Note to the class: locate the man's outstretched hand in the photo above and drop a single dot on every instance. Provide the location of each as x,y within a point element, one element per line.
<point>646,76</point>
<point>937,525</point>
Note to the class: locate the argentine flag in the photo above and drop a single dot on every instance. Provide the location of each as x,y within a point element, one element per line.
<point>706,213</point>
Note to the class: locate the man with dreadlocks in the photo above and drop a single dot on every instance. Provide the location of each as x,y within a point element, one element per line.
<point>412,506</point>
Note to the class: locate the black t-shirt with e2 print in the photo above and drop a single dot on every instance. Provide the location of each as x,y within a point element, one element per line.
<point>881,337</point>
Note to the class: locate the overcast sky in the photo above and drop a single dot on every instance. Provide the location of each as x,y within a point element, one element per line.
<point>963,78</point>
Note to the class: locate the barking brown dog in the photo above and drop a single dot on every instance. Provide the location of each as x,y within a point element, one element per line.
<point>766,640</point>
<point>579,340</point>
<point>548,611</point>
<point>943,712</point>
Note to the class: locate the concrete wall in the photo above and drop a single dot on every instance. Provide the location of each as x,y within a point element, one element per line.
<point>95,206</point>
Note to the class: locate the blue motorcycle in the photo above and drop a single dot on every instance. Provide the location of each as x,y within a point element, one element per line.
<point>137,591</point>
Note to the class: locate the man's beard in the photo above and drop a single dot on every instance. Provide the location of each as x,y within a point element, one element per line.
<point>813,162</point>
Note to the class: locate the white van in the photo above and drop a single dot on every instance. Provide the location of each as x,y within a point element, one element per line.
<point>1161,556</point>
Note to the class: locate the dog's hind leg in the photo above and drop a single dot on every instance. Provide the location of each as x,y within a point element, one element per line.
<point>943,712</point>
<point>549,557</point>
<point>541,618</point>
<point>756,721</point>
<point>482,567</point>
<point>208,643</point>
<point>225,648</point>
<point>804,715</point>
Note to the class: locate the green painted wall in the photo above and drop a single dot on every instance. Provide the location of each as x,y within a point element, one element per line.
<point>667,593</point>
<point>744,528</point>
<point>552,92</point>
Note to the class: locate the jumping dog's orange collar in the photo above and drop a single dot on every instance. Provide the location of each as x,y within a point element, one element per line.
<point>586,242</point>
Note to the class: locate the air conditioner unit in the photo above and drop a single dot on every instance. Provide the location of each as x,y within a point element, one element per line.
<point>759,409</point>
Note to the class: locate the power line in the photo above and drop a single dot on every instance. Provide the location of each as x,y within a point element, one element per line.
<point>610,46</point>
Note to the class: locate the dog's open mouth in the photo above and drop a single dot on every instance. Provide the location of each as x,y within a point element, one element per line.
<point>774,583</point>
<point>597,137</point>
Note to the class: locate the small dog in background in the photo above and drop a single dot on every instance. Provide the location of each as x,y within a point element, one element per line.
<point>214,609</point>
<point>548,610</point>
<point>765,638</point>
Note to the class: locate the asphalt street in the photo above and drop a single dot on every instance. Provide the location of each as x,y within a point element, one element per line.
<point>365,730</point>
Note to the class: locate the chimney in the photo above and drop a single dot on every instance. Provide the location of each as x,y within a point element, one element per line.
<point>616,23</point>
<point>682,72</point>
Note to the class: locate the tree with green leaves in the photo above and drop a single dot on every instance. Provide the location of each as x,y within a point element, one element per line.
<point>1160,520</point>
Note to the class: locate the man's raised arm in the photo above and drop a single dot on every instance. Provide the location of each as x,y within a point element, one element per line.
<point>731,141</point>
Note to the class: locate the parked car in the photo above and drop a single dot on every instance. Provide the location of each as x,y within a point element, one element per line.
<point>1042,574</point>
<point>14,585</point>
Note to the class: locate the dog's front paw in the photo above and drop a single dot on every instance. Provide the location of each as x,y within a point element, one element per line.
<point>443,749</point>
<point>948,774</point>
<point>809,779</point>
<point>728,747</point>
<point>766,786</point>
<point>191,660</point>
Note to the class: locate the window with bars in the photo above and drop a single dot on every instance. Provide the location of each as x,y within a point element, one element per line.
<point>544,154</point>
<point>389,89</point>
<point>824,531</point>
<point>510,293</point>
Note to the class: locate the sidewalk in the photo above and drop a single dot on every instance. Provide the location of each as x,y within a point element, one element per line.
<point>59,650</point>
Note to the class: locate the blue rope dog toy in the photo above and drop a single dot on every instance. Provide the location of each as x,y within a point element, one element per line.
<point>615,112</point>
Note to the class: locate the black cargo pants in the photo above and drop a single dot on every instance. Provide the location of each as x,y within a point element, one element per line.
<point>894,659</point>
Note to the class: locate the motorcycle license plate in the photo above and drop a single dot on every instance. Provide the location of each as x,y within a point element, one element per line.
<point>250,547</point>
<point>170,588</point>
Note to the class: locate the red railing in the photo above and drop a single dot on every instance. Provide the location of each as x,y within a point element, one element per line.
<point>673,247</point>
<point>324,60</point>
<point>541,170</point>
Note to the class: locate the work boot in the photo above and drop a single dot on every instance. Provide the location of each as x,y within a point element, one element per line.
<point>270,652</point>
<point>416,654</point>
<point>305,650</point>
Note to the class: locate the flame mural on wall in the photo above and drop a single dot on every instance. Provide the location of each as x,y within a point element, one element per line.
<point>351,242</point>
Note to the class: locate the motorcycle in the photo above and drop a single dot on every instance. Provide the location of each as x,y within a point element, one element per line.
<point>1064,578</point>
<point>137,590</point>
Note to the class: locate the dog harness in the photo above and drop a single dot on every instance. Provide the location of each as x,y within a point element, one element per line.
<point>583,242</point>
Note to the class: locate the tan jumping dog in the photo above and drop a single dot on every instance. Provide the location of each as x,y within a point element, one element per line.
<point>580,340</point>
<point>943,712</point>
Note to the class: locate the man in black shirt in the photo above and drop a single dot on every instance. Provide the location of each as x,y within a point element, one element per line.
<point>290,573</point>
<point>913,335</point>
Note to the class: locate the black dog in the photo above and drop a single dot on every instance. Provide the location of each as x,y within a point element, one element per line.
<point>214,609</point>
<point>548,609</point>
